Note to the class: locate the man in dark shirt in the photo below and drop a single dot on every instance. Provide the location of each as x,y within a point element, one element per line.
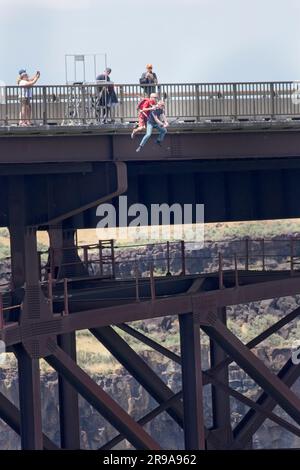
<point>158,120</point>
<point>107,97</point>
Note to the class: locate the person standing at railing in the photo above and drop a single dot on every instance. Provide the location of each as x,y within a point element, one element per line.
<point>25,94</point>
<point>144,108</point>
<point>147,79</point>
<point>157,120</point>
<point>107,97</point>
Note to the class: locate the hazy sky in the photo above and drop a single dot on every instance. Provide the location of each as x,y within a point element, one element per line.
<point>186,40</point>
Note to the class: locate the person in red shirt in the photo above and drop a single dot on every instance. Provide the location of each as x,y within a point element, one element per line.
<point>144,108</point>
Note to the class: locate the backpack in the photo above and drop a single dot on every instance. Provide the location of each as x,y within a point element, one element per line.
<point>141,103</point>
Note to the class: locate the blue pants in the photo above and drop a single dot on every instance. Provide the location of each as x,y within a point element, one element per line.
<point>162,132</point>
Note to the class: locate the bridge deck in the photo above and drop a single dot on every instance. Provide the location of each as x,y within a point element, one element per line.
<point>185,141</point>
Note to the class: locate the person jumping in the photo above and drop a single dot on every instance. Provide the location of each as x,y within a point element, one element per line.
<point>158,120</point>
<point>144,108</point>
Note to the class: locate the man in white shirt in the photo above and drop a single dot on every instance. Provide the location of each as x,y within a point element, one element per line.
<point>25,94</point>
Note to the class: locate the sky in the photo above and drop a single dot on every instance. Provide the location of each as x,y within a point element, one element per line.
<point>185,40</point>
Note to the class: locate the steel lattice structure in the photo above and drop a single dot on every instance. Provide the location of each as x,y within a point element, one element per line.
<point>55,182</point>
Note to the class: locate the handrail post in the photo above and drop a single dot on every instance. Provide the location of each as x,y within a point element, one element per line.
<point>197,103</point>
<point>1,313</point>
<point>50,291</point>
<point>182,243</point>
<point>85,257</point>
<point>83,104</point>
<point>40,264</point>
<point>168,259</point>
<point>6,106</point>
<point>247,254</point>
<point>122,104</point>
<point>100,258</point>
<point>236,272</point>
<point>263,254</point>
<point>152,282</point>
<point>235,102</point>
<point>292,255</point>
<point>137,289</point>
<point>51,261</point>
<point>221,276</point>
<point>113,262</point>
<point>66,297</point>
<point>44,106</point>
<point>272,100</point>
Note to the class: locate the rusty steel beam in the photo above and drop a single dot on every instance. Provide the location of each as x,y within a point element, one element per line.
<point>260,409</point>
<point>200,304</point>
<point>121,188</point>
<point>259,338</point>
<point>209,377</point>
<point>145,419</point>
<point>138,369</point>
<point>177,305</point>
<point>254,367</point>
<point>252,420</point>
<point>100,400</point>
<point>30,400</point>
<point>192,145</point>
<point>11,416</point>
<point>194,432</point>
<point>68,400</point>
<point>221,412</point>
<point>150,342</point>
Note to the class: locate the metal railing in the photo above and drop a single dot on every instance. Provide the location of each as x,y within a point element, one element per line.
<point>109,260</point>
<point>81,104</point>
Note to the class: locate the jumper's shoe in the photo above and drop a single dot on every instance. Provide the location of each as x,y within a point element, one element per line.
<point>132,134</point>
<point>158,142</point>
<point>139,149</point>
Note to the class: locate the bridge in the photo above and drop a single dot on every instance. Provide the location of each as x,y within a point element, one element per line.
<point>232,147</point>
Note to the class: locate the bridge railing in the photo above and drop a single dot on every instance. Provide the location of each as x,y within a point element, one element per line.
<point>87,104</point>
<point>109,260</point>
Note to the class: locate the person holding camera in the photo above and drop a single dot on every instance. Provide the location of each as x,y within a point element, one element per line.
<point>147,79</point>
<point>25,94</point>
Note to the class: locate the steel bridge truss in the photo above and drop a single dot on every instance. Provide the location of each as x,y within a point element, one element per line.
<point>35,325</point>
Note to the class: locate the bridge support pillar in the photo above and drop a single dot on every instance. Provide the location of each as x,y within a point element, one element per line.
<point>63,251</point>
<point>16,228</point>
<point>64,260</point>
<point>68,400</point>
<point>220,399</point>
<point>30,400</point>
<point>192,382</point>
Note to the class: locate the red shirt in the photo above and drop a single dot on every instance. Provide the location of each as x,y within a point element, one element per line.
<point>147,103</point>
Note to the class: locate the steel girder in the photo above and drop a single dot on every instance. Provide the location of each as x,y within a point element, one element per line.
<point>100,400</point>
